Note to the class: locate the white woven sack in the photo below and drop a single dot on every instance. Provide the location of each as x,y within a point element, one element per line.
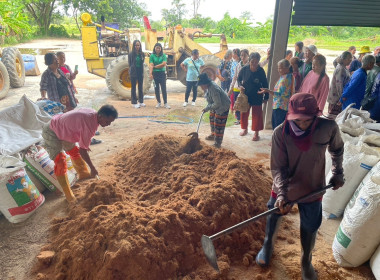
<point>358,234</point>
<point>375,263</point>
<point>356,165</point>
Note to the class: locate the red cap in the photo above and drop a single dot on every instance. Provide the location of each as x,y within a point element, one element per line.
<point>302,106</point>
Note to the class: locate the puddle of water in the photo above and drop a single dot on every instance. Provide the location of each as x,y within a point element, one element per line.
<point>38,51</point>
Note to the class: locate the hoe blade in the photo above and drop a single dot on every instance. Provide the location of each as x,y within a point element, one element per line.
<point>209,250</point>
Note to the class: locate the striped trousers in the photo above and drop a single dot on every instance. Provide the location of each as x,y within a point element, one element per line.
<point>218,124</point>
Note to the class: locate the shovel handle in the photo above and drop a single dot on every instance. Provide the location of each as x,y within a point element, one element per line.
<point>199,123</point>
<point>266,213</point>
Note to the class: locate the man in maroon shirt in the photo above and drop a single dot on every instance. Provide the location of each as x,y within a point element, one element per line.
<point>298,168</point>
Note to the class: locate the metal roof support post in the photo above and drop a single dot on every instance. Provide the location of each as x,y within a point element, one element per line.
<point>281,24</point>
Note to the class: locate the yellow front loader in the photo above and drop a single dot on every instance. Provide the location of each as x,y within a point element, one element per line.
<point>106,53</point>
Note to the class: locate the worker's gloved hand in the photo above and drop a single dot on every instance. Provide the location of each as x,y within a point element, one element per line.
<point>337,181</point>
<point>280,203</point>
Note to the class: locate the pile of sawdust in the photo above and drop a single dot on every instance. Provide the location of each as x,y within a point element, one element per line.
<point>144,219</point>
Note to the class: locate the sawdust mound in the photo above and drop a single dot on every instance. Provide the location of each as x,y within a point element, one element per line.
<point>145,217</point>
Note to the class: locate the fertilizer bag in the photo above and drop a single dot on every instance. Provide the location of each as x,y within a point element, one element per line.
<point>19,197</point>
<point>39,163</point>
<point>356,164</point>
<point>358,234</point>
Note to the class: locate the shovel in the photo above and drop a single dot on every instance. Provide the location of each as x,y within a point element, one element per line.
<point>195,134</point>
<point>208,247</point>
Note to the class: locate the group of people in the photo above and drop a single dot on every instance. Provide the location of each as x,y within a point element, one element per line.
<point>300,133</point>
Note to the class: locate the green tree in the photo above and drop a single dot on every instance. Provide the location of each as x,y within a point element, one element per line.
<point>12,18</point>
<point>246,15</point>
<point>174,15</point>
<point>41,11</point>
<point>230,26</point>
<point>201,22</point>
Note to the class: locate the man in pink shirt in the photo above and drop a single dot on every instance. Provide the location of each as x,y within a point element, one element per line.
<point>61,134</point>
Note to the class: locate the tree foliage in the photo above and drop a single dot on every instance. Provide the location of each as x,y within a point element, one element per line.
<point>41,11</point>
<point>234,27</point>
<point>12,18</point>
<point>176,14</point>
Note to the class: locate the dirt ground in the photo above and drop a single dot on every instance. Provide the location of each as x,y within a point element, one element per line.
<point>21,243</point>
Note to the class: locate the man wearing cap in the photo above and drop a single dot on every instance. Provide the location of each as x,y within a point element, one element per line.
<point>354,91</point>
<point>357,63</point>
<point>218,103</point>
<point>298,168</point>
<point>310,52</point>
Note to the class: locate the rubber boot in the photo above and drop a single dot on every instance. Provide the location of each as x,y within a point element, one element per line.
<point>64,182</point>
<point>273,222</point>
<point>81,168</point>
<point>307,242</point>
<point>79,164</point>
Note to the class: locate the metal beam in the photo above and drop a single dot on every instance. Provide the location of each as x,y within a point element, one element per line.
<point>281,24</point>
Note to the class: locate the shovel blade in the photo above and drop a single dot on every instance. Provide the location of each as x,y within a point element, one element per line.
<point>209,250</point>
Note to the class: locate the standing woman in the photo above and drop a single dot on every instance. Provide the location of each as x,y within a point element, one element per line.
<point>251,78</point>
<point>317,82</point>
<point>340,78</point>
<point>136,72</point>
<point>193,67</point>
<point>298,47</point>
<point>55,86</point>
<point>283,90</point>
<point>218,104</point>
<point>234,88</point>
<point>157,67</point>
<point>224,71</point>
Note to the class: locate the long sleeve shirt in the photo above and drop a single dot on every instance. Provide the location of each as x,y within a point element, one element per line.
<point>296,173</point>
<point>217,99</point>
<point>371,76</point>
<point>340,78</point>
<point>354,90</point>
<point>309,85</point>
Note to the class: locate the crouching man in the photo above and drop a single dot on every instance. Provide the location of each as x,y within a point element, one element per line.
<point>61,134</point>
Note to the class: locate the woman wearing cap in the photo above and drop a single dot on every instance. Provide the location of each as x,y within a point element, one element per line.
<point>340,78</point>
<point>298,168</point>
<point>193,67</point>
<point>317,82</point>
<point>306,67</point>
<point>357,63</point>
<point>355,89</point>
<point>251,78</point>
<point>218,104</point>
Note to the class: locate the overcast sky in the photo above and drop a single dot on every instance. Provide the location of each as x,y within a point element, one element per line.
<point>215,9</point>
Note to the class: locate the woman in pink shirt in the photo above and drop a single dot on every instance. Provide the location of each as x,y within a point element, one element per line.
<point>317,82</point>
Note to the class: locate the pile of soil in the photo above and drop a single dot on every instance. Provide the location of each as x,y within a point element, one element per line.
<point>145,217</point>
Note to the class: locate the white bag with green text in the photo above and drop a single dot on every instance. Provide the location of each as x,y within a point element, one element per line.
<point>19,197</point>
<point>358,235</point>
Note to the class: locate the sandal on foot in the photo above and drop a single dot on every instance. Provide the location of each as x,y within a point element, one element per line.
<point>256,138</point>
<point>243,132</point>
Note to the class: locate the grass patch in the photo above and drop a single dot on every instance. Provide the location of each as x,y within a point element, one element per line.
<point>230,120</point>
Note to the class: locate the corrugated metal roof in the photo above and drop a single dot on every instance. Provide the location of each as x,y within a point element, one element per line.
<point>337,13</point>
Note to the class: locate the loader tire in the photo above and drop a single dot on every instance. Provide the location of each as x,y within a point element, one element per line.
<point>14,63</point>
<point>4,81</point>
<point>211,65</point>
<point>118,80</point>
